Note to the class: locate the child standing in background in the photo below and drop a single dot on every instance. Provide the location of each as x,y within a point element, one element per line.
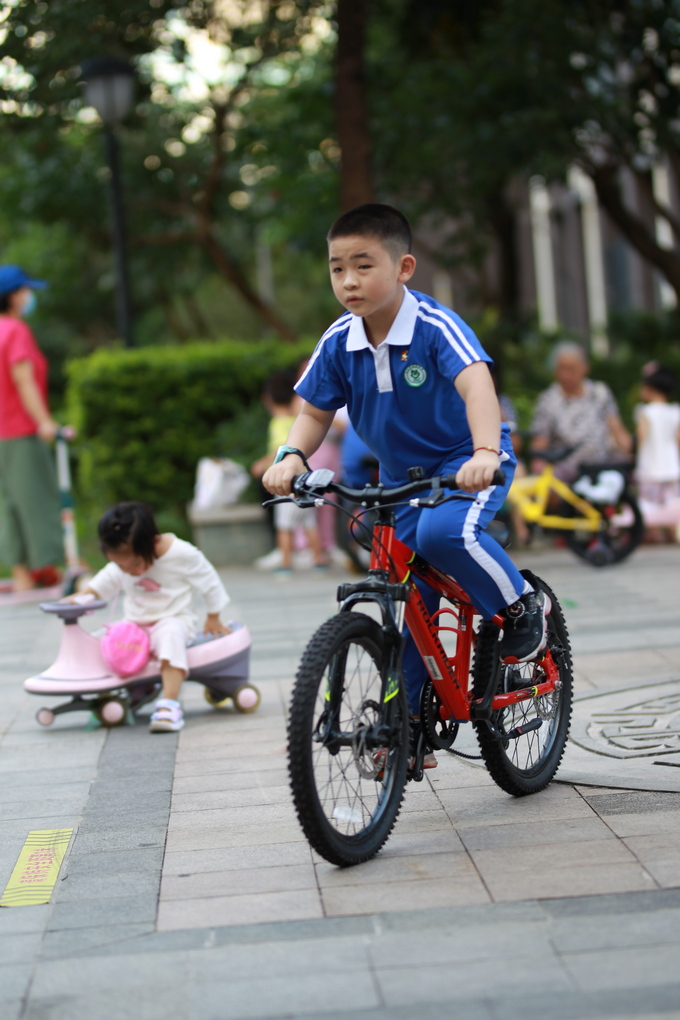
<point>658,457</point>
<point>158,575</point>
<point>283,405</point>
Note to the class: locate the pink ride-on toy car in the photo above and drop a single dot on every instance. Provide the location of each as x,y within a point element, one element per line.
<point>221,664</point>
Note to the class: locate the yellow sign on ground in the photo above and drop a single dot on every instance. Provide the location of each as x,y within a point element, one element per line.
<point>37,868</point>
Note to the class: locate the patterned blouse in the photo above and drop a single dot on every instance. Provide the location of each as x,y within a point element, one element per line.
<point>577,421</point>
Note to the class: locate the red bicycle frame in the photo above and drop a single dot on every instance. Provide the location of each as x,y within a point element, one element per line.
<point>450,674</point>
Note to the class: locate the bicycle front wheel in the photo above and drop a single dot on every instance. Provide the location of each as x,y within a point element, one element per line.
<point>525,764</point>
<point>621,533</point>
<point>347,741</point>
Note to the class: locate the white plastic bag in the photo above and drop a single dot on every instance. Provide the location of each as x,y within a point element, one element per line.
<point>219,482</point>
<point>607,489</point>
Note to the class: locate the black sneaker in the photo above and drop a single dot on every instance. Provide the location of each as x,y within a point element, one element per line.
<point>525,632</point>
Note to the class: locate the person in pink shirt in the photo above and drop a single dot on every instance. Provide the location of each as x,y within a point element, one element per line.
<point>30,525</point>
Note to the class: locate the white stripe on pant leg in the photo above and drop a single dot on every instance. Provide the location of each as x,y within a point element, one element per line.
<point>491,566</point>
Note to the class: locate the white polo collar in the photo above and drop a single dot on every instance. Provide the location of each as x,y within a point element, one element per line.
<point>401,330</point>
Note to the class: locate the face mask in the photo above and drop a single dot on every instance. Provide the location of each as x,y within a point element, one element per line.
<point>29,304</point>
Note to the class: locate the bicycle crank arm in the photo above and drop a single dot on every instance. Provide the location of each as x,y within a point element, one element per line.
<point>333,740</point>
<point>513,734</point>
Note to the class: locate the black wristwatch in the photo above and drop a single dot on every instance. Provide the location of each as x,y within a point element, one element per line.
<point>283,451</point>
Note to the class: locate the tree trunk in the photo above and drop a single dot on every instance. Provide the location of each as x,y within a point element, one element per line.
<point>231,271</point>
<point>356,182</point>
<point>635,230</point>
<point>502,220</point>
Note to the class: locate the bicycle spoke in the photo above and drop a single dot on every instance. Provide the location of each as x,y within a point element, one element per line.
<point>526,763</point>
<point>346,802</point>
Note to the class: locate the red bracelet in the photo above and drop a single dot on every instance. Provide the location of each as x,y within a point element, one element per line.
<point>489,448</point>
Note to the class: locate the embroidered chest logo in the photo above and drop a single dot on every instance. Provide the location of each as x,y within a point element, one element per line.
<point>415,375</point>
<point>147,584</point>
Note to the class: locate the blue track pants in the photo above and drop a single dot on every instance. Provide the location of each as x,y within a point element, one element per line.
<point>452,538</point>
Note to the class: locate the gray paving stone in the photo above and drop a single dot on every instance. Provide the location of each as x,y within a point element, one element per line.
<point>75,888</point>
<point>147,1001</point>
<point>282,996</point>
<point>117,862</point>
<point>101,820</point>
<point>16,948</point>
<point>105,840</point>
<point>94,913</point>
<point>402,984</point>
<point>621,903</point>
<point>638,967</point>
<point>634,802</point>
<point>107,939</point>
<point>616,931</point>
<point>14,980</point>
<point>21,920</point>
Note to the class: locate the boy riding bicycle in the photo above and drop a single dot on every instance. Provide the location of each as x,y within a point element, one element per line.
<point>418,389</point>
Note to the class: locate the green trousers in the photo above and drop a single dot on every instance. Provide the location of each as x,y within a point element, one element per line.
<point>30,523</point>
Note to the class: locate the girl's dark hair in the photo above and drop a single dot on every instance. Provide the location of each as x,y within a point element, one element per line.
<point>661,379</point>
<point>130,524</point>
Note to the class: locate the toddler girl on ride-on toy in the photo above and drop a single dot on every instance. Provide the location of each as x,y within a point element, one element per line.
<point>157,574</point>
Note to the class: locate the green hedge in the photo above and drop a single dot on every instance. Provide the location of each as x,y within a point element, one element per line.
<point>146,416</point>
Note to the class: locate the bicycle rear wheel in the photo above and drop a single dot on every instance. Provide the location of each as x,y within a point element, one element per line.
<point>621,535</point>
<point>347,741</point>
<point>528,763</point>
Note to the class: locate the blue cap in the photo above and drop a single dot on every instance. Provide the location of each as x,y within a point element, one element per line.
<point>13,277</point>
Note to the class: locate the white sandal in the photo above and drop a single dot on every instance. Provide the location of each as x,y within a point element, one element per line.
<point>167,717</point>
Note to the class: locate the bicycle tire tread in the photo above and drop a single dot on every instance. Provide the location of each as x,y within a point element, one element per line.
<point>504,774</point>
<point>333,847</point>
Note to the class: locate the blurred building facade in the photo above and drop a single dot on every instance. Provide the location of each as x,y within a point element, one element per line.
<point>573,265</point>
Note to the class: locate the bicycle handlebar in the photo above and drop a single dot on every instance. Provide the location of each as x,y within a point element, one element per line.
<point>307,485</point>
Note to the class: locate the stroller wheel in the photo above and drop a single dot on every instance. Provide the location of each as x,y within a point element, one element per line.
<point>111,713</point>
<point>247,698</point>
<point>216,698</point>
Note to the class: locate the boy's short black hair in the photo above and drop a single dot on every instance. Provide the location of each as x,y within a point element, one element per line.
<point>280,386</point>
<point>661,379</point>
<point>130,524</point>
<point>375,220</point>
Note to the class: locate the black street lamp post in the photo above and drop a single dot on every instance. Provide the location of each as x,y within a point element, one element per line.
<point>109,88</point>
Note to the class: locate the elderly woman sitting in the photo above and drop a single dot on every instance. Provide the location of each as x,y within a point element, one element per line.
<point>578,413</point>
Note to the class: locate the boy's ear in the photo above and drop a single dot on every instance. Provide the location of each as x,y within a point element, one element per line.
<point>407,267</point>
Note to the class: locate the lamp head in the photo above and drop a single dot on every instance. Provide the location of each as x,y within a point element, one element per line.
<point>109,87</point>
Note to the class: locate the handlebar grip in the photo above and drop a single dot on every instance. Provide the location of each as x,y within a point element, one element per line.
<point>449,481</point>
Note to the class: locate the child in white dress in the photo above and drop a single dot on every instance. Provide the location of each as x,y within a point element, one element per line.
<point>658,456</point>
<point>157,575</point>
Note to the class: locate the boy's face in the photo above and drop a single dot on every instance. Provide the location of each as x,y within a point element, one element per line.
<point>364,275</point>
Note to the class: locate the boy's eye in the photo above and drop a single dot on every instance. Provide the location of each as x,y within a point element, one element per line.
<point>368,266</point>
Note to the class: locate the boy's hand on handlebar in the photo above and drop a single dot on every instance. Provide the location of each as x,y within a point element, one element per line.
<point>213,625</point>
<point>278,479</point>
<point>477,472</point>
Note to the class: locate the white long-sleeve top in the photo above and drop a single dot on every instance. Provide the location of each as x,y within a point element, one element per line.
<point>166,588</point>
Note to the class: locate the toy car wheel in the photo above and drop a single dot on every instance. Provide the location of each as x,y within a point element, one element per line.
<point>45,716</point>
<point>216,698</point>
<point>111,713</point>
<point>246,698</point>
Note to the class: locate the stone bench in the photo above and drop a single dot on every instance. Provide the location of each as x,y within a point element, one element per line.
<point>231,535</point>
